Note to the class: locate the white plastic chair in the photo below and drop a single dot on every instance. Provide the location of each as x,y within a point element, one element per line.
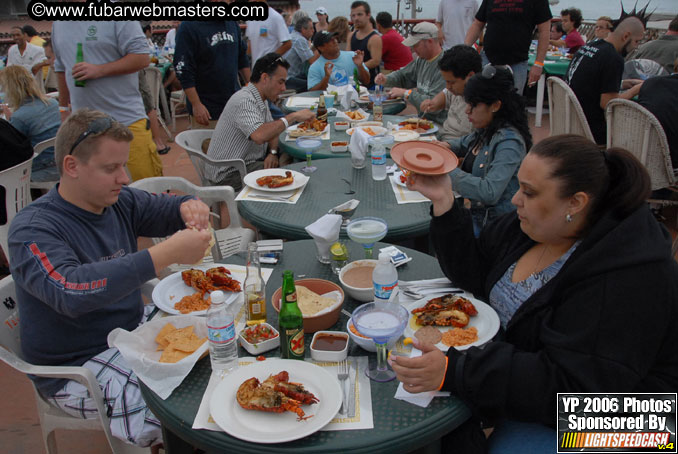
<point>52,417</point>
<point>230,240</point>
<point>16,181</point>
<point>177,99</point>
<point>39,148</point>
<point>634,128</point>
<point>566,115</point>
<point>154,80</point>
<point>192,140</point>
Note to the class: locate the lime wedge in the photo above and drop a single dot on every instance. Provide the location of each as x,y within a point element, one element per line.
<point>339,251</point>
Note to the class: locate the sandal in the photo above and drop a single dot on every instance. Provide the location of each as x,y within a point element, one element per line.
<point>164,150</point>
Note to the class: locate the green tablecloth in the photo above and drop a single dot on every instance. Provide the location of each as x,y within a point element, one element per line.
<point>398,426</point>
<point>325,151</point>
<point>325,190</point>
<point>553,66</point>
<point>389,109</point>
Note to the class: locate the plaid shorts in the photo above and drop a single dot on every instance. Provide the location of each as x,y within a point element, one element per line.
<point>131,420</point>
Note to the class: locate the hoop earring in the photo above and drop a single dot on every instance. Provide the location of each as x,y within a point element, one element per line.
<point>568,217</point>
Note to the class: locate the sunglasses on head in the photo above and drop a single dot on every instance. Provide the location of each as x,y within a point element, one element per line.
<point>96,126</point>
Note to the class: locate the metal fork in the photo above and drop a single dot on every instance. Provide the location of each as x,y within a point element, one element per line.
<point>342,375</point>
<point>282,198</point>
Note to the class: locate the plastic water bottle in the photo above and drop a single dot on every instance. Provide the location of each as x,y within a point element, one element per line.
<point>384,278</point>
<point>221,335</point>
<point>379,156</point>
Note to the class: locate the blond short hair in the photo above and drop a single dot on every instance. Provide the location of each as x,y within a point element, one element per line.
<point>19,86</point>
<point>75,125</point>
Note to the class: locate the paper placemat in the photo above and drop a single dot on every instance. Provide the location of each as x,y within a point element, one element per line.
<point>363,398</point>
<point>254,195</point>
<point>301,101</point>
<point>404,195</point>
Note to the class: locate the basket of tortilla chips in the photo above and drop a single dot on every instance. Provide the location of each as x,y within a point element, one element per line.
<point>163,351</point>
<point>319,300</point>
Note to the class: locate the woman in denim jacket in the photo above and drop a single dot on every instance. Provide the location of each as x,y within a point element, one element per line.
<point>494,150</point>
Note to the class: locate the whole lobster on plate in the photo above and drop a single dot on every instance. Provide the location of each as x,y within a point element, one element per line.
<point>446,310</point>
<point>276,394</point>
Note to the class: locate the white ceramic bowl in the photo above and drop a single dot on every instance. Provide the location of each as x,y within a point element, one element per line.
<point>329,355</point>
<point>357,293</point>
<point>339,146</point>
<point>259,347</point>
<point>342,125</point>
<point>367,343</point>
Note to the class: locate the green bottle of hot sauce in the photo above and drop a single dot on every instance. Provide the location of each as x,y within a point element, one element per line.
<point>291,321</point>
<point>79,58</point>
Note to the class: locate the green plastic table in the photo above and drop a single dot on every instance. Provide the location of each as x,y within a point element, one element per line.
<point>390,108</point>
<point>325,151</point>
<point>325,190</point>
<point>398,426</point>
<point>553,66</point>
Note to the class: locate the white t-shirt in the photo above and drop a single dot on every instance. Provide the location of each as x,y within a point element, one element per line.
<point>456,17</point>
<point>32,55</point>
<point>170,37</point>
<point>266,36</point>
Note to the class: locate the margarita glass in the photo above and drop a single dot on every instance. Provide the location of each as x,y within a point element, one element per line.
<point>367,231</point>
<point>309,144</point>
<point>380,321</point>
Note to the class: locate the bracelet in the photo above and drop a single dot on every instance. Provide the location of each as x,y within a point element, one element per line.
<point>64,109</point>
<point>539,63</point>
<point>285,122</point>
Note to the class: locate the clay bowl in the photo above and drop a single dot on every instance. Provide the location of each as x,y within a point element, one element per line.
<point>315,322</point>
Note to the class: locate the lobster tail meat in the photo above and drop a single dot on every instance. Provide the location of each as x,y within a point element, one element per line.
<point>274,395</point>
<point>447,310</point>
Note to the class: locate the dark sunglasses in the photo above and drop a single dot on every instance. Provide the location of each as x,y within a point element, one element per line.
<point>96,126</point>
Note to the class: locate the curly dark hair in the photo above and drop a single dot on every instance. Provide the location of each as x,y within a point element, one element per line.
<point>574,14</point>
<point>495,83</point>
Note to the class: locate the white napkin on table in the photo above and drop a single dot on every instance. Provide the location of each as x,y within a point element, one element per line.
<point>326,228</point>
<point>419,399</point>
<point>359,142</point>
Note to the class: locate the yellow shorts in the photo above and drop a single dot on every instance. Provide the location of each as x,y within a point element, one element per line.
<point>143,160</point>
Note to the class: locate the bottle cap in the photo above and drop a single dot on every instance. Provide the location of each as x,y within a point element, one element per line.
<point>217,296</point>
<point>384,258</point>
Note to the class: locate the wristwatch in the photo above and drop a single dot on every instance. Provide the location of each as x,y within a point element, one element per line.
<point>273,151</point>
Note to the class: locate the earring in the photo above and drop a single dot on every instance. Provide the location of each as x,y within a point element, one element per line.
<point>568,217</point>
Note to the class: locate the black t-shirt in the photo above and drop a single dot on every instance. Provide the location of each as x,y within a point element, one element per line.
<point>510,25</point>
<point>361,44</point>
<point>596,68</point>
<point>659,95</point>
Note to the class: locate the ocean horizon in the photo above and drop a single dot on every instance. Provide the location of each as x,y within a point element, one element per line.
<point>591,10</point>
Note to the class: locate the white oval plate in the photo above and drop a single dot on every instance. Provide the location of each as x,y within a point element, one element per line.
<point>433,130</point>
<point>264,427</point>
<point>171,289</point>
<point>250,180</point>
<point>295,127</point>
<point>486,322</point>
<point>377,129</point>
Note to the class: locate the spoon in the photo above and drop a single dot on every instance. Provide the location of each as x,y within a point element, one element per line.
<point>350,189</point>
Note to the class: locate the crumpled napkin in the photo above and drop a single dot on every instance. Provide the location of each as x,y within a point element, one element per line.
<point>326,228</point>
<point>419,399</point>
<point>140,352</point>
<point>346,206</point>
<point>358,144</point>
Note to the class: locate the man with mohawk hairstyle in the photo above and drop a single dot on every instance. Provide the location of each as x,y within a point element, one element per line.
<point>595,73</point>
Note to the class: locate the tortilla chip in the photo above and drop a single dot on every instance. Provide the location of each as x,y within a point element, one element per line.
<point>178,334</point>
<point>160,338</point>
<point>188,345</point>
<point>310,303</point>
<point>170,355</point>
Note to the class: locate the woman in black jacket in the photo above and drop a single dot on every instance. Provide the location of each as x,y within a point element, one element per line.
<point>581,277</point>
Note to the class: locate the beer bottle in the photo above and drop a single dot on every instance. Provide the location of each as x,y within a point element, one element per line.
<point>291,321</point>
<point>356,80</point>
<point>255,290</point>
<point>79,58</point>
<point>322,110</point>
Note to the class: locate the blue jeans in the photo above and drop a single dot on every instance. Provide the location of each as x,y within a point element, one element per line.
<point>514,437</point>
<point>275,111</point>
<point>519,73</point>
<point>44,167</point>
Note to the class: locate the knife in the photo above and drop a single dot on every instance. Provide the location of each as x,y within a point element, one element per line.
<point>351,389</point>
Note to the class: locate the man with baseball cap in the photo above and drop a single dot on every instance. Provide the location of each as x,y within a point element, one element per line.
<point>420,80</point>
<point>334,66</point>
